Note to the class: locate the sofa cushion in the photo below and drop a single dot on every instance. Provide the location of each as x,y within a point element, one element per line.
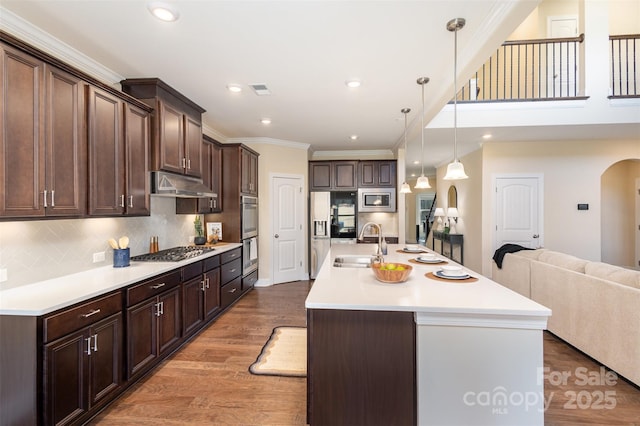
<point>613,273</point>
<point>562,260</point>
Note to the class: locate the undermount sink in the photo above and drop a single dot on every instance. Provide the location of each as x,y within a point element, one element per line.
<point>352,261</point>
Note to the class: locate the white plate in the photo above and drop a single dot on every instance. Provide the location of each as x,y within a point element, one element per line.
<point>439,274</point>
<point>412,249</point>
<point>432,260</point>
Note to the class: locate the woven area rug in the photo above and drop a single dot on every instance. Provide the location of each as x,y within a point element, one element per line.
<point>284,354</point>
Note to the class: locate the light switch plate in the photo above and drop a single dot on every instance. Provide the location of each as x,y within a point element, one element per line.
<point>98,257</point>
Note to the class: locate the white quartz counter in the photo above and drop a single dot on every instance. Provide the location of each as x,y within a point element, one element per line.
<point>47,296</point>
<point>480,303</point>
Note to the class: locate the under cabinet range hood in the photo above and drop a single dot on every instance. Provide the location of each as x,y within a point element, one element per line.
<point>165,184</point>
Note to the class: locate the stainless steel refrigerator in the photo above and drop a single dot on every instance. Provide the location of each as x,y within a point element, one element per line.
<point>319,239</point>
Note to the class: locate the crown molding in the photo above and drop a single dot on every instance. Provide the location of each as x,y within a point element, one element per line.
<point>269,141</point>
<point>213,133</point>
<point>29,33</point>
<point>355,154</point>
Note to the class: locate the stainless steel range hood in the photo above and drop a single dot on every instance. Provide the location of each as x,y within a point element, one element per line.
<point>165,184</point>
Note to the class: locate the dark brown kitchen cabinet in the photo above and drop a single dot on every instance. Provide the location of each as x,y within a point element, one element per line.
<point>350,354</point>
<point>333,175</point>
<point>153,321</point>
<point>211,178</point>
<point>81,370</point>
<point>118,156</point>
<point>177,126</point>
<point>230,276</point>
<point>200,294</point>
<point>42,169</point>
<point>377,174</point>
<point>82,358</point>
<point>249,172</point>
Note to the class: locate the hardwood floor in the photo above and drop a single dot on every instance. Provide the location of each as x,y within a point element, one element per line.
<point>208,382</point>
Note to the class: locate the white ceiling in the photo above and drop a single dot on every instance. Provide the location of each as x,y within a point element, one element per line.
<point>304,51</point>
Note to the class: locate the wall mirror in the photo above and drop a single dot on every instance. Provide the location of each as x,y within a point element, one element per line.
<point>452,197</point>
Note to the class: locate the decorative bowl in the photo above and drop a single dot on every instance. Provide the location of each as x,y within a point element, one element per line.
<point>391,272</point>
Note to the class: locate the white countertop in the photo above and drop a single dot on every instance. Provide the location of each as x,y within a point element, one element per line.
<point>434,301</point>
<point>47,296</point>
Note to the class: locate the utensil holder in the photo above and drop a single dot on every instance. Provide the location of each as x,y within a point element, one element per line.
<point>121,258</point>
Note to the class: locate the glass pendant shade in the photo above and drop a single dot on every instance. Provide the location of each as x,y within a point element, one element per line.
<point>422,182</point>
<point>455,171</point>
<point>405,188</point>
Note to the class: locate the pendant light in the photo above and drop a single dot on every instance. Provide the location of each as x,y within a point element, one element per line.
<point>405,188</point>
<point>423,181</point>
<point>455,170</point>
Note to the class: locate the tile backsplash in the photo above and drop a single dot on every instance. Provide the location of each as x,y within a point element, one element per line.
<point>32,251</point>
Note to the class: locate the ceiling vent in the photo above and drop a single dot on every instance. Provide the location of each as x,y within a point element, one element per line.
<point>260,89</point>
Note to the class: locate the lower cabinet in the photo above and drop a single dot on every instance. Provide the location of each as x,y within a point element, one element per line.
<point>153,321</point>
<point>200,294</point>
<point>230,276</point>
<point>82,358</point>
<point>249,281</point>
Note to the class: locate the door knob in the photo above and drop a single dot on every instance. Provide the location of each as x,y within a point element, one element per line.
<point>536,236</point>
<point>277,236</point>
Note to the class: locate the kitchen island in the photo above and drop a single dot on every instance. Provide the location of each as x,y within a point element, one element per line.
<point>426,351</point>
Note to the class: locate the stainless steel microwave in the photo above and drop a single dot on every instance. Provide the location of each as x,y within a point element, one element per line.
<point>376,200</point>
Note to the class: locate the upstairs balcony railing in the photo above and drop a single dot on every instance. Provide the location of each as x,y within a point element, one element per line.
<point>625,72</point>
<point>540,69</point>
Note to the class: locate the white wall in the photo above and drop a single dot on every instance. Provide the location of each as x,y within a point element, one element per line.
<point>572,174</point>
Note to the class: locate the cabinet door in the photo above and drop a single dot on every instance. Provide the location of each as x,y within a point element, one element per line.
<point>106,154</point>
<point>65,379</point>
<point>192,304</point>
<point>320,176</point>
<point>212,293</point>
<point>105,360</point>
<point>344,175</point>
<point>142,342</point>
<point>169,321</point>
<point>137,161</point>
<point>65,138</point>
<point>367,174</point>
<point>216,176</point>
<point>22,164</point>
<point>387,174</point>
<point>193,146</point>
<point>171,140</point>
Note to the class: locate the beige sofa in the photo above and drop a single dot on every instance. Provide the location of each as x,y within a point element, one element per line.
<point>595,306</point>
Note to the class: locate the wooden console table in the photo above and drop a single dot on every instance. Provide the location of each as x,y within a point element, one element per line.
<point>452,240</point>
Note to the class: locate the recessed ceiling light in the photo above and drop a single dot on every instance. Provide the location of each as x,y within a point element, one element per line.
<point>266,121</point>
<point>163,11</point>
<point>234,88</point>
<point>413,175</point>
<point>487,136</point>
<point>353,83</point>
<point>353,137</point>
<point>416,162</point>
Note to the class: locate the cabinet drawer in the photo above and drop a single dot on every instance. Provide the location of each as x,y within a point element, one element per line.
<point>154,286</point>
<point>249,281</point>
<point>60,324</point>
<point>230,255</point>
<point>230,271</point>
<point>191,270</point>
<point>230,292</point>
<point>211,263</point>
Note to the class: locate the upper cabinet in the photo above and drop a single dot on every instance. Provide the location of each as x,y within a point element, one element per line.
<point>248,172</point>
<point>118,156</point>
<point>177,126</point>
<point>42,169</point>
<point>333,175</point>
<point>377,174</point>
<point>211,178</point>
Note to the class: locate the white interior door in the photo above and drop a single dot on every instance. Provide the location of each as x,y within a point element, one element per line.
<point>563,58</point>
<point>519,211</point>
<point>287,239</point>
<point>637,224</point>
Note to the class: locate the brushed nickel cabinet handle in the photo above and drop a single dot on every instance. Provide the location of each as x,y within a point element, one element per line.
<point>45,198</point>
<point>203,288</point>
<point>90,313</point>
<point>53,198</point>
<point>157,286</point>
<point>95,343</point>
<point>88,339</point>
<point>189,164</point>
<point>122,200</point>
<point>184,163</point>
<point>233,290</point>
<point>131,201</point>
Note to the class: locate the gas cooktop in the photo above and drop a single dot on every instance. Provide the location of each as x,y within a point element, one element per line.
<point>174,254</point>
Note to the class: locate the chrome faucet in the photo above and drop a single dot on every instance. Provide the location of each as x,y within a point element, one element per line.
<point>378,257</point>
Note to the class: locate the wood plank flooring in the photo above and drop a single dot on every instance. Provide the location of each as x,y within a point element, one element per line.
<point>208,383</point>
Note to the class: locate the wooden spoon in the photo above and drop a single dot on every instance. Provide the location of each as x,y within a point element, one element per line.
<point>113,243</point>
<point>123,242</point>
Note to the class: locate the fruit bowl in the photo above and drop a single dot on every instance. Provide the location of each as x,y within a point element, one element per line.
<point>391,272</point>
